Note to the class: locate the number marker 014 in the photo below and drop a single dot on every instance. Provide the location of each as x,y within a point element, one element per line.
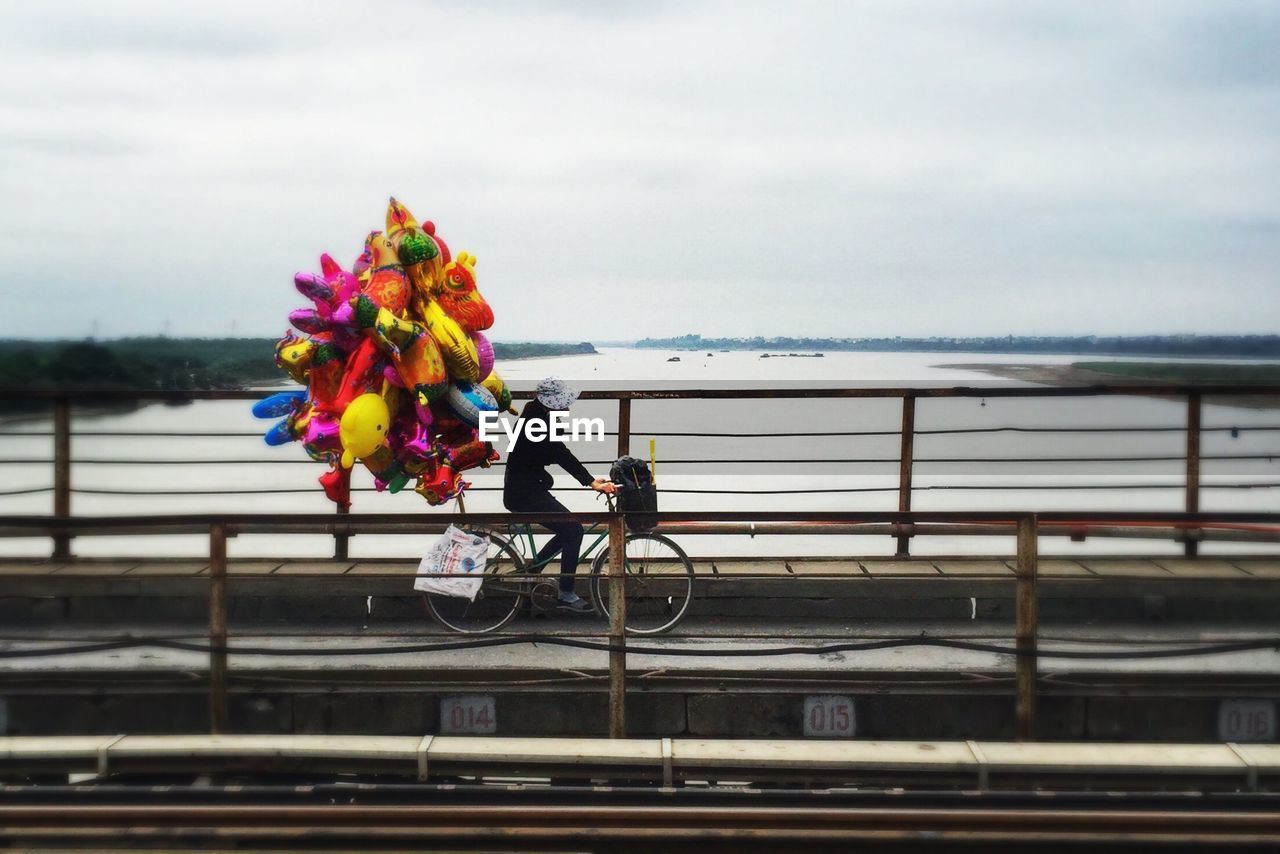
<point>468,714</point>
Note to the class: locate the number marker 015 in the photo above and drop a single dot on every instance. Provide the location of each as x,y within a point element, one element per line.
<point>829,716</point>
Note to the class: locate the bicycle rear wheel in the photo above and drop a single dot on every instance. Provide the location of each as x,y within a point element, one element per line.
<point>500,596</point>
<point>658,583</point>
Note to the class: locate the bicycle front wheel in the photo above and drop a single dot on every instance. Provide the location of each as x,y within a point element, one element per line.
<point>499,597</point>
<point>658,580</point>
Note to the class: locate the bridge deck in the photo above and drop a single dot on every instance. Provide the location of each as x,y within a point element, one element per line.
<point>852,567</point>
<point>324,664</point>
<point>834,577</point>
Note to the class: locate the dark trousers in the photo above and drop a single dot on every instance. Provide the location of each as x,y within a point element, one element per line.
<point>567,537</point>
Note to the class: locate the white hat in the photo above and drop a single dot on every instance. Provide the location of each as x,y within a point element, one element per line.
<point>555,393</point>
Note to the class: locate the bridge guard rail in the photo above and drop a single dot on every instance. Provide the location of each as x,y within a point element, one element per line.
<point>62,399</point>
<point>1024,526</point>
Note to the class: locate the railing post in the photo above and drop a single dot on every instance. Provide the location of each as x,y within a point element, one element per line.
<point>624,426</point>
<point>218,715</point>
<point>1028,547</point>
<point>617,629</point>
<point>905,463</point>
<point>62,473</point>
<point>1191,546</point>
<point>341,539</point>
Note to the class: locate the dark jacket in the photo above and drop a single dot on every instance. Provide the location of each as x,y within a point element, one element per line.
<point>528,460</point>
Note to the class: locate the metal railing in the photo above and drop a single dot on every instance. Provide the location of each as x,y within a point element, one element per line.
<point>1025,526</point>
<point>1189,527</point>
<point>907,461</point>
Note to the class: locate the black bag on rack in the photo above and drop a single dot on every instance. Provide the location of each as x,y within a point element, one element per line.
<point>637,496</point>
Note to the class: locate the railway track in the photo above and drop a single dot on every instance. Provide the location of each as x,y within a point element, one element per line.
<point>434,792</point>
<point>370,816</point>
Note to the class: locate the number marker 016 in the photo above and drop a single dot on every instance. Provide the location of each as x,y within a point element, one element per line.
<point>1247,720</point>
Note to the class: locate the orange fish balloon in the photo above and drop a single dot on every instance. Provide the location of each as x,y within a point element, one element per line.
<point>387,287</point>
<point>459,298</point>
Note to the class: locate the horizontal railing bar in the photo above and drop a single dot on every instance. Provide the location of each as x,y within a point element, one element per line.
<point>161,493</point>
<point>692,529</point>
<point>99,395</point>
<point>504,519</point>
<point>141,529</point>
<point>782,529</point>
<point>961,530</point>
<point>1083,487</point>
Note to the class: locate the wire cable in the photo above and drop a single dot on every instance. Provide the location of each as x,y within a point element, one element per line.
<point>1261,428</point>
<point>1265,428</point>
<point>641,649</point>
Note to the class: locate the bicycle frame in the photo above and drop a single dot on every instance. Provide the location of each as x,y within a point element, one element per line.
<point>530,585</point>
<point>524,537</point>
<point>521,535</point>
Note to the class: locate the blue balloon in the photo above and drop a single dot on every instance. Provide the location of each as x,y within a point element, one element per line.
<point>279,405</point>
<point>279,434</point>
<point>467,401</point>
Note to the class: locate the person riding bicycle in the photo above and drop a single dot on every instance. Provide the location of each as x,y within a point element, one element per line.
<point>527,485</point>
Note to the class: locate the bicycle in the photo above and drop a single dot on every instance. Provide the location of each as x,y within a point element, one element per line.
<point>658,582</point>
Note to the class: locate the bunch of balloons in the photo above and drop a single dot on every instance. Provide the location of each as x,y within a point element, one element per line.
<point>395,363</point>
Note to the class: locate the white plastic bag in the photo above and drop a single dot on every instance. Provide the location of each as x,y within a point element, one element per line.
<point>456,553</point>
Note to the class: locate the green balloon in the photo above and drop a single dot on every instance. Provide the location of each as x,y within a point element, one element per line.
<point>417,247</point>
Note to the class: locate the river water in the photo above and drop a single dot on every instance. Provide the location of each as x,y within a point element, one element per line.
<point>711,486</point>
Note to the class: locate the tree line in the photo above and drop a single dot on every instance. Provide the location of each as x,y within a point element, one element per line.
<point>176,363</point>
<point>1241,346</point>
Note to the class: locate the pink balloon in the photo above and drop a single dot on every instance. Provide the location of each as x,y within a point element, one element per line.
<point>321,433</point>
<point>308,320</point>
<point>313,286</point>
<point>391,375</point>
<point>485,352</point>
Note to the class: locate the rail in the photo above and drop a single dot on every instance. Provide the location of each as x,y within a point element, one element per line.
<point>679,795</point>
<point>974,766</point>
<point>1026,527</point>
<point>906,462</point>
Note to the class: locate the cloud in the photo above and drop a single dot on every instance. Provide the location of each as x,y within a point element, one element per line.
<point>882,168</point>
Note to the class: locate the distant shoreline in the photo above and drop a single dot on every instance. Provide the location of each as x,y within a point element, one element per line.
<point>1085,346</point>
<point>546,356</point>
<point>1140,373</point>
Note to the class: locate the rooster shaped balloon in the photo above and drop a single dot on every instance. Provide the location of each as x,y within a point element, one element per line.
<point>395,363</point>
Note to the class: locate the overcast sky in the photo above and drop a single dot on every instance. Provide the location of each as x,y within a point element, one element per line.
<point>630,169</point>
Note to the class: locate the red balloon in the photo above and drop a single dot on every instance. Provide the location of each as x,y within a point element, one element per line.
<point>362,375</point>
<point>336,483</point>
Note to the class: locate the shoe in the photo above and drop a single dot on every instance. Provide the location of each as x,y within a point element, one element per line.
<point>575,603</point>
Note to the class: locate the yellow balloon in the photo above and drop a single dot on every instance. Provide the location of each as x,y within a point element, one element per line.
<point>363,428</point>
<point>456,346</point>
<point>294,355</point>
<point>499,390</point>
